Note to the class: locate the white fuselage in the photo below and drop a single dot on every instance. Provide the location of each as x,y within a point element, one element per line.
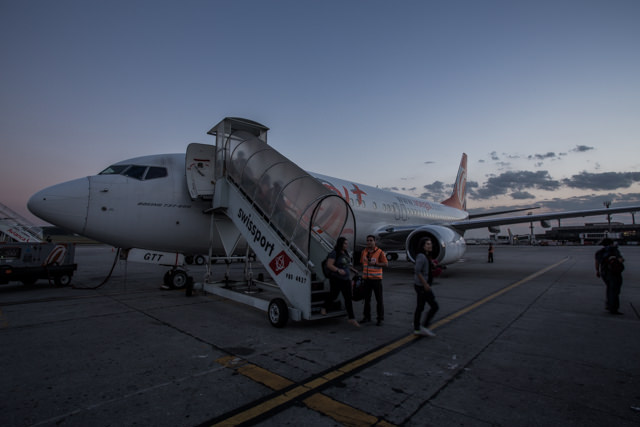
<point>158,214</point>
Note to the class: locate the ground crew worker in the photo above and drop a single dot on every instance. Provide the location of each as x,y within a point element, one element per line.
<point>373,259</point>
<point>609,266</point>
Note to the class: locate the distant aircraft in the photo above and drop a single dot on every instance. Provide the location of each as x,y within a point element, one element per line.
<point>168,203</point>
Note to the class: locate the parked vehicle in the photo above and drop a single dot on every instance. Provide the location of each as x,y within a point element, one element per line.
<point>30,262</point>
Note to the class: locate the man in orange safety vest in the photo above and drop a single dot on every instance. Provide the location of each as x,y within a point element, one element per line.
<point>373,259</point>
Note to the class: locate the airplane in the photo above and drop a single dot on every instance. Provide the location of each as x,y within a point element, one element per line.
<point>146,203</point>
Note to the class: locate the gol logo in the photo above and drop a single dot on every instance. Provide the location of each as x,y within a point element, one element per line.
<point>280,262</point>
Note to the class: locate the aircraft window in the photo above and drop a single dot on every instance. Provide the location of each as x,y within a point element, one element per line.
<point>114,170</point>
<point>155,172</point>
<point>135,171</point>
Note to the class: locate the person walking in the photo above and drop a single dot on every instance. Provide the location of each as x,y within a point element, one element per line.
<point>422,280</point>
<point>490,253</point>
<point>339,264</point>
<point>609,266</point>
<point>373,259</point>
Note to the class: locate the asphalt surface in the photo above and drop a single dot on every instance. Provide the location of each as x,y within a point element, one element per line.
<point>523,341</point>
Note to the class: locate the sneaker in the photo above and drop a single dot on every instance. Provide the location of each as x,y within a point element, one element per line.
<point>365,320</point>
<point>417,332</point>
<point>427,332</point>
<point>354,322</point>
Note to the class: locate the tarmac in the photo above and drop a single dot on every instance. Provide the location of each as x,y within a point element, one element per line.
<point>524,341</point>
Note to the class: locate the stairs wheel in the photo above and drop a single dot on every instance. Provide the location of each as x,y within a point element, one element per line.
<point>278,312</point>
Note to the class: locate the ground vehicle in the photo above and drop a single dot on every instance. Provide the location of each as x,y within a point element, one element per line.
<point>29,262</point>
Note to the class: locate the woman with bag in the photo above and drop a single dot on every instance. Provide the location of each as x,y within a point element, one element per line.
<point>339,264</point>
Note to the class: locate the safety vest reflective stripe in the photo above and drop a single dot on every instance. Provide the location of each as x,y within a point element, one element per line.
<point>371,272</point>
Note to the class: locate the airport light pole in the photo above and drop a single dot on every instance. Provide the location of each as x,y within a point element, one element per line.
<point>607,205</point>
<point>531,236</point>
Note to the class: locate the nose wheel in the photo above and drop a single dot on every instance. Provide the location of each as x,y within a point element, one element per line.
<point>176,279</point>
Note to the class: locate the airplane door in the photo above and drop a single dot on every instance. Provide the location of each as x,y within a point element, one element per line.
<point>400,211</point>
<point>404,212</point>
<point>200,168</point>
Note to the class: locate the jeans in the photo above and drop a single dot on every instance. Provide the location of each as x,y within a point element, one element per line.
<point>423,297</point>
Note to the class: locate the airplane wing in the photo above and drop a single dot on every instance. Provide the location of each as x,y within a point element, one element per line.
<point>393,237</point>
<point>471,224</point>
<point>478,215</point>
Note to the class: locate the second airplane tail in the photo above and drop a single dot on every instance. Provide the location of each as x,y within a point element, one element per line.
<point>458,199</point>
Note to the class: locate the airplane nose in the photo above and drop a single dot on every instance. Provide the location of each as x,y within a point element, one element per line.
<point>64,205</point>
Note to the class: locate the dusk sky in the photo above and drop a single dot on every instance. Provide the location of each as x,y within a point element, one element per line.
<point>543,96</point>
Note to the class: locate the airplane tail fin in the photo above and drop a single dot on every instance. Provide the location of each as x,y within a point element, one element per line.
<point>458,199</point>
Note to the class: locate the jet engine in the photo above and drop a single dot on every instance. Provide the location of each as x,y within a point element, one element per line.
<point>448,245</point>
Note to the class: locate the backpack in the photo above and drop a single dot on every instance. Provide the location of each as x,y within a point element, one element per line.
<point>609,259</point>
<point>614,264</point>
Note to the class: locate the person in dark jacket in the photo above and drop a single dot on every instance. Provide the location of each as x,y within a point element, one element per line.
<point>422,280</point>
<point>339,264</point>
<point>609,266</point>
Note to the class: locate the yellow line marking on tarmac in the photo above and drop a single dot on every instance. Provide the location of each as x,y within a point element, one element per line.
<point>485,300</point>
<point>340,412</point>
<point>344,414</point>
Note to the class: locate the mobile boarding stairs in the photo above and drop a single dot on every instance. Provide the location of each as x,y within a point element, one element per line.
<point>289,219</point>
<point>14,227</point>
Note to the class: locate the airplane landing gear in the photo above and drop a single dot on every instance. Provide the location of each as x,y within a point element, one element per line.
<point>176,278</point>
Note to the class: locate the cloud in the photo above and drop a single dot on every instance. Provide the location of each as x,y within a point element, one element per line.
<point>472,185</point>
<point>590,201</point>
<point>574,204</point>
<point>522,195</point>
<point>436,186</point>
<point>539,158</point>
<point>549,155</point>
<point>602,181</point>
<point>515,182</point>
<point>581,148</point>
<point>437,190</point>
<point>518,184</point>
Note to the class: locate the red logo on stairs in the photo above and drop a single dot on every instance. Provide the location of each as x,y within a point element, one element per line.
<point>280,262</point>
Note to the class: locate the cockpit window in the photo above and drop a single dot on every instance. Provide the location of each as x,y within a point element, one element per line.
<point>114,170</point>
<point>136,171</point>
<point>155,172</point>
